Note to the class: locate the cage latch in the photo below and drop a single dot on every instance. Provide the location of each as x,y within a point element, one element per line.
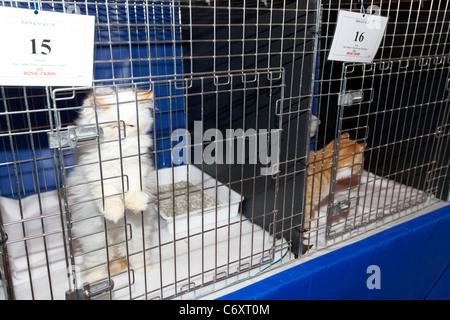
<point>442,131</point>
<point>90,290</point>
<point>351,97</point>
<point>3,236</point>
<point>73,136</point>
<point>340,207</point>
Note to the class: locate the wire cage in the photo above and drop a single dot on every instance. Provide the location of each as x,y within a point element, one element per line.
<point>397,106</point>
<point>270,151</point>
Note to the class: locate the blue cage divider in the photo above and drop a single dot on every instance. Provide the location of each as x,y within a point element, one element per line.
<point>134,44</point>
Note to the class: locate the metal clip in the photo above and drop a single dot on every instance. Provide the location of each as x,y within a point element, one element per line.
<point>74,135</point>
<point>340,207</point>
<point>442,131</point>
<point>350,97</point>
<point>3,236</point>
<point>90,290</point>
<point>73,9</point>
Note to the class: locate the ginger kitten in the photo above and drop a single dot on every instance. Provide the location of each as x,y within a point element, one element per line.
<point>349,162</point>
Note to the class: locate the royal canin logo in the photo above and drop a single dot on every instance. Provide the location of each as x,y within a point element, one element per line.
<point>353,53</point>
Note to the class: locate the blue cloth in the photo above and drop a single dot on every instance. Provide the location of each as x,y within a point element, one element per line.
<point>413,260</point>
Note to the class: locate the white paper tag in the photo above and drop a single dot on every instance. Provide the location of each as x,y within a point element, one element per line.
<point>46,49</point>
<point>357,37</point>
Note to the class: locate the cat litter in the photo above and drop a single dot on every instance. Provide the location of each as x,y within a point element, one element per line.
<point>197,199</point>
<point>219,202</point>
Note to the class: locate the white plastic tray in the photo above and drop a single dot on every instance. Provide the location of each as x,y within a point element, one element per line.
<point>227,208</point>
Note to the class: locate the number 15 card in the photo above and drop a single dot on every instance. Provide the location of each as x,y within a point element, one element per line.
<point>45,49</point>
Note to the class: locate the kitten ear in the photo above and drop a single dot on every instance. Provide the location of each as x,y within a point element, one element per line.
<point>360,147</point>
<point>145,95</point>
<point>91,100</point>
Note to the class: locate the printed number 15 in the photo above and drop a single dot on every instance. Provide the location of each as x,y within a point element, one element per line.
<point>46,49</point>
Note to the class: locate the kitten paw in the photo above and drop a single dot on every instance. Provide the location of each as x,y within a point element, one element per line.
<point>95,274</point>
<point>113,209</point>
<point>136,201</point>
<point>140,269</point>
<point>116,267</point>
<point>101,272</point>
<point>138,264</point>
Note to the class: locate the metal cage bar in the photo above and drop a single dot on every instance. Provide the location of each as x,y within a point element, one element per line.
<point>288,153</point>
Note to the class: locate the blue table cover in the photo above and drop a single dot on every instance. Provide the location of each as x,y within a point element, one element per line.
<point>413,260</point>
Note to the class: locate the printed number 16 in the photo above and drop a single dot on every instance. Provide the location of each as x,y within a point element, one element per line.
<point>359,37</point>
<point>46,49</point>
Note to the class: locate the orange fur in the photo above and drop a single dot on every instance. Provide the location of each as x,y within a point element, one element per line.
<point>117,266</point>
<point>145,95</point>
<point>350,158</point>
<point>91,100</point>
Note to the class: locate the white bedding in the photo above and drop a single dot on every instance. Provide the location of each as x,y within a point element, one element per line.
<point>200,258</point>
<point>203,258</point>
<point>40,216</point>
<point>373,201</point>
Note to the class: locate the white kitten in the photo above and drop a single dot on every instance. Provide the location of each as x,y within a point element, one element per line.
<point>113,179</point>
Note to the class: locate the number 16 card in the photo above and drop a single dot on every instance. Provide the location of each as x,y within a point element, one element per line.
<point>357,37</point>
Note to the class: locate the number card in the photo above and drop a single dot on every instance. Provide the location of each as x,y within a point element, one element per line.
<point>45,49</point>
<point>357,37</point>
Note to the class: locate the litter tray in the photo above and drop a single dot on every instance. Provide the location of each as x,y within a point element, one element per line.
<point>201,213</point>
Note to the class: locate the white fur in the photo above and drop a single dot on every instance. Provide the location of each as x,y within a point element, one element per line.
<point>344,173</point>
<point>101,196</point>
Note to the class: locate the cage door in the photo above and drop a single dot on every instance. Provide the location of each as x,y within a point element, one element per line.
<point>398,110</point>
<point>65,138</point>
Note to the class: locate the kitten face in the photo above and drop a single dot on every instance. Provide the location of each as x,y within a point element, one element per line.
<point>126,112</point>
<point>350,159</point>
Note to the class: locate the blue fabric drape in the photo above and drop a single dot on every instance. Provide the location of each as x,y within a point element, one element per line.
<point>413,260</point>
